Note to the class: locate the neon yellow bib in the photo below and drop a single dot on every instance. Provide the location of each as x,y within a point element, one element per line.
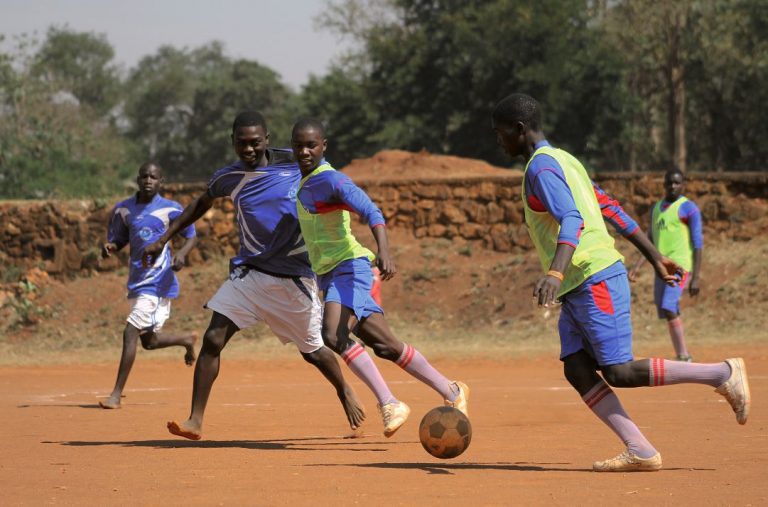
<point>596,250</point>
<point>328,236</point>
<point>670,235</point>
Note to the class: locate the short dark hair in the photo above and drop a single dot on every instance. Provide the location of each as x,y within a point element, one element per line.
<point>249,119</point>
<point>309,124</point>
<point>675,170</point>
<point>149,163</point>
<point>518,107</point>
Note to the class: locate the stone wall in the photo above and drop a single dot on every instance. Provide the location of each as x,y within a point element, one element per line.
<point>63,237</point>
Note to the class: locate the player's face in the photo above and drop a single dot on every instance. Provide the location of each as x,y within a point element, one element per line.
<point>250,144</point>
<point>673,186</point>
<point>308,148</point>
<point>509,139</point>
<point>149,179</point>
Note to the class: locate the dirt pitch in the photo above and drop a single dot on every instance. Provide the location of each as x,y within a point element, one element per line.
<point>273,436</point>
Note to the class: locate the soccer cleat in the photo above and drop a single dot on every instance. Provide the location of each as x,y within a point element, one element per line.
<point>394,415</point>
<point>460,403</point>
<point>627,461</point>
<point>736,389</point>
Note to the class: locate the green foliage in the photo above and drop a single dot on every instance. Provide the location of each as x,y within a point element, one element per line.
<point>51,147</point>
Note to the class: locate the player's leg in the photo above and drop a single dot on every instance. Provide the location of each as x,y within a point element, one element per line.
<point>608,310</point>
<point>154,339</point>
<point>216,337</point>
<point>292,309</point>
<point>127,357</point>
<point>667,301</point>
<point>324,360</point>
<point>595,329</point>
<point>375,332</point>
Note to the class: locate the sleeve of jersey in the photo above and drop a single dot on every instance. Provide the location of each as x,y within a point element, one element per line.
<point>690,215</point>
<point>356,200</point>
<point>614,214</point>
<point>117,232</point>
<point>216,185</point>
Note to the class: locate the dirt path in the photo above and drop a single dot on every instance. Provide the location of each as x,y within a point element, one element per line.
<point>272,437</point>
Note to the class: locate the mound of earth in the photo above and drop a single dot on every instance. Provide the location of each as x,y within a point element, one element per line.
<point>406,165</point>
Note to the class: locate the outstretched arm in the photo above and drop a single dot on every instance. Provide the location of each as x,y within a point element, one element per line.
<point>665,268</point>
<point>189,216</point>
<point>638,264</point>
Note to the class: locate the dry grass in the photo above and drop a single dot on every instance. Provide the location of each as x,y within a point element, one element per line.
<point>86,315</point>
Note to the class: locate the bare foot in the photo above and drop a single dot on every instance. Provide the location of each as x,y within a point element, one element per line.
<point>357,433</point>
<point>354,410</point>
<point>111,402</point>
<point>189,357</point>
<point>185,430</point>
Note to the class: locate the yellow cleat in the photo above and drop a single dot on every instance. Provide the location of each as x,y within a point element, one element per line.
<point>628,462</point>
<point>460,403</point>
<point>394,415</point>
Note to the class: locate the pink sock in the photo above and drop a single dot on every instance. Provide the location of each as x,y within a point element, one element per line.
<point>417,365</point>
<point>677,335</point>
<point>663,373</point>
<point>606,405</point>
<point>363,366</point>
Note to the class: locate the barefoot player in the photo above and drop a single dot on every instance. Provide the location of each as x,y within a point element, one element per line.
<point>139,221</point>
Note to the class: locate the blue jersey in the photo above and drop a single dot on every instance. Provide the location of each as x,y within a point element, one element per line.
<point>547,190</point>
<point>265,205</point>
<point>139,225</point>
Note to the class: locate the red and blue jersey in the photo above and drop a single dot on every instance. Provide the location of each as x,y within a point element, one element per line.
<point>265,206</point>
<point>139,225</point>
<point>547,191</point>
<point>333,190</point>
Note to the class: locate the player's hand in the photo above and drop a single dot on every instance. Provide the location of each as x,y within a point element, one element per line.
<point>386,265</point>
<point>545,291</point>
<point>178,262</point>
<point>107,249</point>
<point>668,270</point>
<point>632,275</point>
<point>151,252</point>
<point>693,289</point>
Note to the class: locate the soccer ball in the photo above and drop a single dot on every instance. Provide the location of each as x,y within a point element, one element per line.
<point>445,432</point>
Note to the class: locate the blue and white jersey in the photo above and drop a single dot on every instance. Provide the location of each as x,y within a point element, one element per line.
<point>265,205</point>
<point>140,225</point>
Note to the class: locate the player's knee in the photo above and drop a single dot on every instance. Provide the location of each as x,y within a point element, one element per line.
<point>385,351</point>
<point>148,341</point>
<point>579,377</point>
<point>334,340</point>
<point>618,376</point>
<point>312,357</point>
<point>213,342</point>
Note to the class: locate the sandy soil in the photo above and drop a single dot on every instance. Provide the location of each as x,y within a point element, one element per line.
<point>273,436</point>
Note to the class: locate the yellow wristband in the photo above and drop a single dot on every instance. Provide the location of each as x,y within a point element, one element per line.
<point>556,274</point>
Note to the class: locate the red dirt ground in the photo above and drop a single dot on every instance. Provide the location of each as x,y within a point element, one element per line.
<point>273,437</point>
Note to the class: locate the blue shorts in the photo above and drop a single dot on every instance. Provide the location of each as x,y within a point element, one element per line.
<point>668,298</point>
<point>349,284</point>
<point>595,317</point>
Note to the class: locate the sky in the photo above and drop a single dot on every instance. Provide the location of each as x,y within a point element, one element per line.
<point>281,34</point>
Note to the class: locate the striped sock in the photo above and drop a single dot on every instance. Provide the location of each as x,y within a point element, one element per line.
<point>363,366</point>
<point>664,373</point>
<point>606,405</point>
<point>677,335</point>
<point>417,365</point>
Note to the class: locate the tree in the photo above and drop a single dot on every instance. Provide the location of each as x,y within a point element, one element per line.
<point>81,64</point>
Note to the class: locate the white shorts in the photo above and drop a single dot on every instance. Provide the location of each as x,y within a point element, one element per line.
<point>149,313</point>
<point>289,306</point>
